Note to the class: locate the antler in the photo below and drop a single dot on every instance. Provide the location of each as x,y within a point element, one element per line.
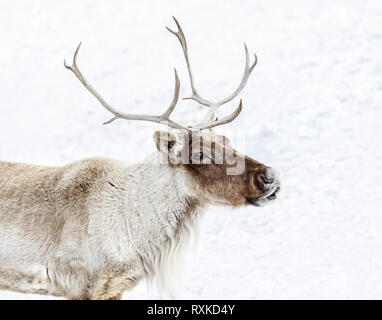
<point>164,118</point>
<point>209,120</point>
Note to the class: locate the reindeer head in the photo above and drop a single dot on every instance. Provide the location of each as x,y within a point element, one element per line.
<point>218,173</point>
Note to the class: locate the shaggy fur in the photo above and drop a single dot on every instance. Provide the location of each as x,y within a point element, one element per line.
<point>94,228</point>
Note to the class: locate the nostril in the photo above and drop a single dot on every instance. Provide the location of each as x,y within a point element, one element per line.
<point>267,180</point>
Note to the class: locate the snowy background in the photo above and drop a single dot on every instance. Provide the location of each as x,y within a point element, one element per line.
<point>312,109</point>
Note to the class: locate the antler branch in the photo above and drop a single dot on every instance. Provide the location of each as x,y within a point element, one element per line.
<point>195,95</point>
<point>180,35</point>
<point>163,118</point>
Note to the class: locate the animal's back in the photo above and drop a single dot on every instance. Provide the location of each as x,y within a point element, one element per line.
<point>43,210</point>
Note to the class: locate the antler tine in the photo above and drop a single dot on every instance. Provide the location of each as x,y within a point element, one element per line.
<point>163,118</point>
<point>175,99</point>
<point>247,72</point>
<point>182,39</point>
<point>226,119</point>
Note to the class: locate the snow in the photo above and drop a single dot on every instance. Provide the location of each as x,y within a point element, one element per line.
<point>312,109</point>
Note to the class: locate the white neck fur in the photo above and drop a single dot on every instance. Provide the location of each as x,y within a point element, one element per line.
<point>162,217</point>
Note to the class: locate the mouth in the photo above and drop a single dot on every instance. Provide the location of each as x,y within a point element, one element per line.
<point>262,200</point>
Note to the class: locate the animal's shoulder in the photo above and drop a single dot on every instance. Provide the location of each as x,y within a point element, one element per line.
<point>94,168</point>
<point>88,173</point>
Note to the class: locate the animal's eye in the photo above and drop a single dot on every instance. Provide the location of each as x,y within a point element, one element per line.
<point>198,156</point>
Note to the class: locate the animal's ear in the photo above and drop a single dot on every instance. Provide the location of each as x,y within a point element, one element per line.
<point>170,143</point>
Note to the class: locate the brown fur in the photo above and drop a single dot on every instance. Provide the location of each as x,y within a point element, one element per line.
<point>212,178</point>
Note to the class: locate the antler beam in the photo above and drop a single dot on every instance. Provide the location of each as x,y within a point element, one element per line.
<point>163,118</point>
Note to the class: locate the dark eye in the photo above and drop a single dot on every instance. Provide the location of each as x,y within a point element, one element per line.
<point>198,156</point>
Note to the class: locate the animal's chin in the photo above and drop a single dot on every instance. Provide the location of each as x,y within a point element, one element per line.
<point>263,200</point>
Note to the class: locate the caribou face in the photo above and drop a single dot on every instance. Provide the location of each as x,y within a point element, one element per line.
<point>218,173</point>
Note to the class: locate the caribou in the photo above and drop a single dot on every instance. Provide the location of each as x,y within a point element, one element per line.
<point>94,228</point>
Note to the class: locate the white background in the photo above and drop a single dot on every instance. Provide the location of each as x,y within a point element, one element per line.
<point>312,109</point>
